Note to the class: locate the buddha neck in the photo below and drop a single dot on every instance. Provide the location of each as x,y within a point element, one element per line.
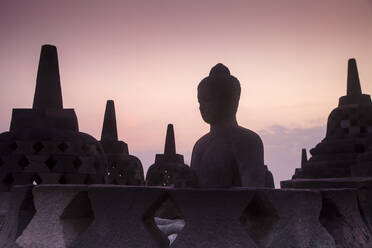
<point>223,126</point>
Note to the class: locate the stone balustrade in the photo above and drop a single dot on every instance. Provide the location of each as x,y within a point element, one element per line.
<point>108,216</point>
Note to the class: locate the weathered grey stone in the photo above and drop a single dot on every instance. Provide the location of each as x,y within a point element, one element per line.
<point>122,218</point>
<point>49,227</point>
<point>19,213</point>
<point>341,217</point>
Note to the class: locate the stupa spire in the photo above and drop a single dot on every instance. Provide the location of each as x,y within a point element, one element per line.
<point>48,94</point>
<point>303,157</point>
<point>109,129</point>
<point>170,146</point>
<point>353,83</point>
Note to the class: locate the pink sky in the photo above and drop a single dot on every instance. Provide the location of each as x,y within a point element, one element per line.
<point>149,56</point>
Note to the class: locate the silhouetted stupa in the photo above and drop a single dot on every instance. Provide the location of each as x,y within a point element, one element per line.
<point>122,167</point>
<point>44,145</point>
<point>169,168</point>
<point>334,160</point>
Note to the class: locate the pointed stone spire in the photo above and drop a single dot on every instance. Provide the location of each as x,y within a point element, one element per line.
<point>170,145</point>
<point>109,129</point>
<point>353,83</point>
<point>303,157</point>
<point>48,94</point>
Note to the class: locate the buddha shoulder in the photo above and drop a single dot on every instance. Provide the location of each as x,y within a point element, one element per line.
<point>245,137</point>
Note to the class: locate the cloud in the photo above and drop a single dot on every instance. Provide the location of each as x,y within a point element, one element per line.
<point>283,147</point>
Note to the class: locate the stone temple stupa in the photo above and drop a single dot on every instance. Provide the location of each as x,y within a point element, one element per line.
<point>44,145</point>
<point>169,168</point>
<point>122,167</point>
<point>342,158</point>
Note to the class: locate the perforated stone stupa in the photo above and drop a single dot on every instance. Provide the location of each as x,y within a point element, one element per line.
<point>44,144</point>
<point>122,167</point>
<point>169,168</point>
<point>340,159</point>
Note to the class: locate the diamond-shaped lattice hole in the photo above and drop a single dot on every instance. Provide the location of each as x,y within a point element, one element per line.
<point>85,148</point>
<point>359,148</point>
<point>36,179</point>
<point>259,219</point>
<point>13,146</point>
<point>23,162</point>
<point>331,218</point>
<point>63,146</point>
<point>38,146</point>
<point>62,180</point>
<point>77,163</point>
<point>26,213</point>
<point>77,217</point>
<point>9,179</point>
<point>99,150</point>
<point>89,180</point>
<point>51,162</point>
<point>164,220</point>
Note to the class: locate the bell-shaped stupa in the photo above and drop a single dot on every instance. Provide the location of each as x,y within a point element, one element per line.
<point>122,168</point>
<point>334,161</point>
<point>169,168</point>
<point>44,145</point>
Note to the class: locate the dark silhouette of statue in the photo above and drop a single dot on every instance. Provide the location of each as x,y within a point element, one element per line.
<point>169,168</point>
<point>229,155</point>
<point>122,168</point>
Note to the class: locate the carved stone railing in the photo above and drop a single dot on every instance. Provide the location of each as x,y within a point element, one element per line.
<point>99,216</point>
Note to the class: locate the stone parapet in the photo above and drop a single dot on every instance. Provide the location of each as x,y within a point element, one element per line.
<point>123,216</point>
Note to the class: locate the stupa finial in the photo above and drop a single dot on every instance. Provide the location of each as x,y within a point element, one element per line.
<point>48,94</point>
<point>170,146</point>
<point>303,157</point>
<point>353,83</point>
<point>109,129</point>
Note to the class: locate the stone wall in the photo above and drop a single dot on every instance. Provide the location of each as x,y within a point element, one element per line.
<point>99,216</point>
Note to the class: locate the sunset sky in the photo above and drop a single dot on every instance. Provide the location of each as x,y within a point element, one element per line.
<point>149,56</point>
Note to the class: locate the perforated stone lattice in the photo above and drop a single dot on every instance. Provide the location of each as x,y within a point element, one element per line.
<point>354,121</point>
<point>165,220</point>
<point>51,162</point>
<point>23,162</point>
<point>77,217</point>
<point>63,146</point>
<point>124,170</point>
<point>259,219</point>
<point>38,146</point>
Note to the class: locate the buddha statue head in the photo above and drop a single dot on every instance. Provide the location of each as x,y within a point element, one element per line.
<point>218,96</point>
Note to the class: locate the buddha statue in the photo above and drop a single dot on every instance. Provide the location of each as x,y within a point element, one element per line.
<point>229,155</point>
